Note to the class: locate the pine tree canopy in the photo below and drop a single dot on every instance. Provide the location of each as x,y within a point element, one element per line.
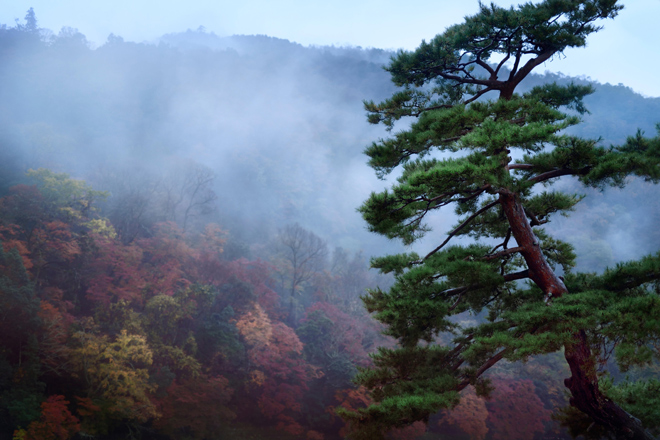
<point>457,149</point>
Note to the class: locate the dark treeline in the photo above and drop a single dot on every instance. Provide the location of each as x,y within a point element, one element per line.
<point>200,273</point>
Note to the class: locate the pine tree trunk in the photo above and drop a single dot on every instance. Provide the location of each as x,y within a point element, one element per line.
<point>586,396</point>
<point>583,383</point>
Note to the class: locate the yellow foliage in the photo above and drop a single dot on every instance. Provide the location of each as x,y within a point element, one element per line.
<point>73,197</point>
<point>102,227</point>
<point>255,327</point>
<point>177,360</point>
<point>257,377</point>
<point>116,372</point>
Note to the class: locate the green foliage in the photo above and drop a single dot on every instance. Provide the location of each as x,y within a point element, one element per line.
<point>72,197</point>
<point>444,85</point>
<point>21,407</point>
<point>218,341</point>
<point>20,387</point>
<point>407,385</point>
<point>641,398</point>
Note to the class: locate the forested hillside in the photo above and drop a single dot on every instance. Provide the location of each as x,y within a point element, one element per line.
<point>181,253</point>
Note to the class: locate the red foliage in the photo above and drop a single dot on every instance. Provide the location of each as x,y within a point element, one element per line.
<point>280,373</point>
<point>86,408</point>
<point>280,358</point>
<point>27,224</point>
<point>9,242</point>
<point>258,275</point>
<point>164,258</point>
<point>469,415</point>
<point>277,398</point>
<point>515,411</point>
<point>137,272</point>
<point>314,435</point>
<point>58,241</point>
<point>351,400</point>
<point>116,273</point>
<point>56,422</point>
<point>289,425</point>
<point>199,405</point>
<point>411,432</point>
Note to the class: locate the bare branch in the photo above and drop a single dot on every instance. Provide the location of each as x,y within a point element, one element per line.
<point>478,94</point>
<point>520,166</point>
<point>484,367</point>
<point>517,275</point>
<point>534,220</point>
<point>558,173</point>
<point>458,300</point>
<point>531,64</point>
<point>503,253</point>
<point>461,226</point>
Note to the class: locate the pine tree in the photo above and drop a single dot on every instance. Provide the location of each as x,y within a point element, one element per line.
<point>457,151</point>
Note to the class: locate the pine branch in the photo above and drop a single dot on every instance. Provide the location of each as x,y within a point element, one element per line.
<point>457,230</point>
<point>558,173</point>
<point>503,253</point>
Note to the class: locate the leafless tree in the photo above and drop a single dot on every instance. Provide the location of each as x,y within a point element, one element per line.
<point>186,193</point>
<point>299,254</point>
<point>131,205</point>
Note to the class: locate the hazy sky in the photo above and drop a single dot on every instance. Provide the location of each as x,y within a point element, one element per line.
<point>627,51</point>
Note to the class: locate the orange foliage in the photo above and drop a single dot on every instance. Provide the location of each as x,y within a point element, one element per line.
<point>350,399</point>
<point>86,407</point>
<point>255,327</point>
<point>56,422</point>
<point>12,243</point>
<point>469,415</point>
<point>60,241</point>
<point>257,377</point>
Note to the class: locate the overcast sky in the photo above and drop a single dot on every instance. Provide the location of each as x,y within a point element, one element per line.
<point>626,51</point>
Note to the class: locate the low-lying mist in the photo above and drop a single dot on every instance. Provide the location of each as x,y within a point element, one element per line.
<point>276,129</point>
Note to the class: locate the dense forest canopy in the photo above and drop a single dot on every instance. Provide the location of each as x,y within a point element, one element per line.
<point>181,255</point>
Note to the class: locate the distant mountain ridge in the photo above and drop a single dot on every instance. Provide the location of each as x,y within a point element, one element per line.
<point>281,125</point>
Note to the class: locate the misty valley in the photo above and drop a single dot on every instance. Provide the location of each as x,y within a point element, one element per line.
<point>194,244</point>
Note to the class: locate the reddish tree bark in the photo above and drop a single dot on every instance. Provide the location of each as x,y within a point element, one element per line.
<point>583,383</point>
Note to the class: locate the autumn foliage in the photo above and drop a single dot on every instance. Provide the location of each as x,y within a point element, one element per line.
<point>199,406</point>
<point>163,331</point>
<point>56,422</point>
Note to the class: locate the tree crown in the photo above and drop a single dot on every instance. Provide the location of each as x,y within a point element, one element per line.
<point>443,87</point>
